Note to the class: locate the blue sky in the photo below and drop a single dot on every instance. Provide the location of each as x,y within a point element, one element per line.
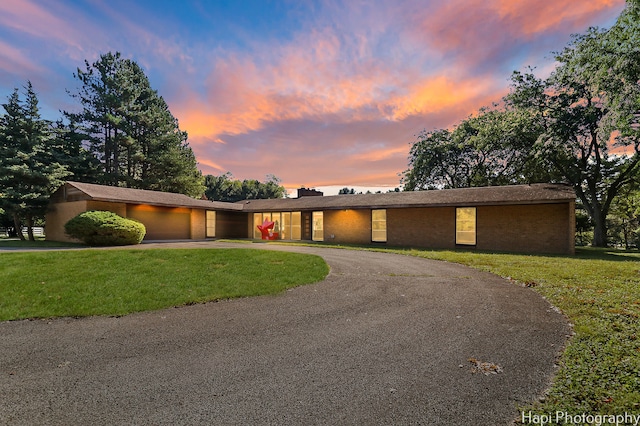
<point>321,94</point>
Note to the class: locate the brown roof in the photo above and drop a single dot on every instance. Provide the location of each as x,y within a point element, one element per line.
<point>141,196</point>
<point>491,195</point>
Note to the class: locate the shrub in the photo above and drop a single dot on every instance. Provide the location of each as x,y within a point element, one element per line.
<point>103,228</point>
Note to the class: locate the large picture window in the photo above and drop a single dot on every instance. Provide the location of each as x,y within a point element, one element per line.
<point>210,224</point>
<point>466,226</point>
<point>318,226</point>
<point>379,226</point>
<point>286,225</point>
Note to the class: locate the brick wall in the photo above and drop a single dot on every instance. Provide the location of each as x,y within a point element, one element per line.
<point>541,228</point>
<point>347,226</point>
<point>59,214</point>
<point>422,227</point>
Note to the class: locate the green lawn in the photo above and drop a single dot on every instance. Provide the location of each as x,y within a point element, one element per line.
<point>121,281</point>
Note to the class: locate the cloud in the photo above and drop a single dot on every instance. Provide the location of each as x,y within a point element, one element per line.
<point>336,95</point>
<point>14,61</point>
<point>535,17</point>
<point>27,17</point>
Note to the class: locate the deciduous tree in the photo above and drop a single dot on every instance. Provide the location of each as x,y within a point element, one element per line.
<point>225,188</point>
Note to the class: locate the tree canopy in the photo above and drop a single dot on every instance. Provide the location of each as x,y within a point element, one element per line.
<point>29,171</point>
<point>128,127</point>
<point>581,126</point>
<point>226,188</point>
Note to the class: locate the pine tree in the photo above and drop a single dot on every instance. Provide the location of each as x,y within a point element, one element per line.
<point>28,171</point>
<point>130,129</point>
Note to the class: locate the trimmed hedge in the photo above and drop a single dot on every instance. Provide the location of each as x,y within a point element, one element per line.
<point>103,228</point>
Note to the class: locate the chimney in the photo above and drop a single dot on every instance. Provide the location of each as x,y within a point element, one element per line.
<point>307,192</point>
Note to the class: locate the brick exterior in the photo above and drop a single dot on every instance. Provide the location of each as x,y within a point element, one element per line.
<point>347,226</point>
<point>525,218</point>
<point>58,215</point>
<point>535,228</point>
<point>422,227</point>
<point>539,228</point>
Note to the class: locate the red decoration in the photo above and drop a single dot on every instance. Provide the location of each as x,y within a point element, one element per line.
<point>267,230</point>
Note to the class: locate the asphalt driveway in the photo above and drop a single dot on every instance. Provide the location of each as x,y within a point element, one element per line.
<point>385,339</point>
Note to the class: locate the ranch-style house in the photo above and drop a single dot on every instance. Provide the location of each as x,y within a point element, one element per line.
<point>536,218</point>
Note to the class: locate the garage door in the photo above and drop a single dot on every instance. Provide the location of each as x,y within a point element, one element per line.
<point>163,223</point>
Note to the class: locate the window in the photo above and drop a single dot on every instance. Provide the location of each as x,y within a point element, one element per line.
<point>210,224</point>
<point>466,226</point>
<point>296,228</point>
<point>257,220</point>
<point>286,225</point>
<point>379,226</point>
<point>318,231</point>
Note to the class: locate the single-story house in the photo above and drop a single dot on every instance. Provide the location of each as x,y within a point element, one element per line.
<point>167,216</point>
<point>537,218</point>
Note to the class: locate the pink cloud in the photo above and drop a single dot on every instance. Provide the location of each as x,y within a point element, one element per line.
<point>28,17</point>
<point>477,24</point>
<point>534,17</point>
<point>14,61</point>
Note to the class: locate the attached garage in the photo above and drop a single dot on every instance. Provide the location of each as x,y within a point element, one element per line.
<point>162,223</point>
<point>166,216</point>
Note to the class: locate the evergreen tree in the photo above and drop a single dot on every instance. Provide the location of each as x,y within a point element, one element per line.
<point>28,171</point>
<point>130,129</point>
<point>69,150</point>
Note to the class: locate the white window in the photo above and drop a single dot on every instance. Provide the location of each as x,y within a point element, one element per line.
<point>379,226</point>
<point>466,226</point>
<point>318,226</point>
<point>210,224</point>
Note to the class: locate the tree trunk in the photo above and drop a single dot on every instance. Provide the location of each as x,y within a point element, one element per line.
<point>30,228</point>
<point>18,225</point>
<point>599,229</point>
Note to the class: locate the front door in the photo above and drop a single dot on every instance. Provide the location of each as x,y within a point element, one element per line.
<point>306,225</point>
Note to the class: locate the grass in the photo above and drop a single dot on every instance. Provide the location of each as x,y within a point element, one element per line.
<point>118,282</point>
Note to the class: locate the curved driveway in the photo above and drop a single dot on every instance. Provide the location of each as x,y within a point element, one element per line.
<point>385,339</point>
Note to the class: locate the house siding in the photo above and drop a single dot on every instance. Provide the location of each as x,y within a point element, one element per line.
<point>58,215</point>
<point>198,224</point>
<point>162,223</point>
<point>350,226</point>
<point>538,228</point>
<point>432,227</point>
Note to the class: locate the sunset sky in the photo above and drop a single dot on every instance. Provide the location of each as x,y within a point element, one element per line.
<point>322,94</point>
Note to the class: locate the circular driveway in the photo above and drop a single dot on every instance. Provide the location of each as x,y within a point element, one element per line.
<point>384,339</point>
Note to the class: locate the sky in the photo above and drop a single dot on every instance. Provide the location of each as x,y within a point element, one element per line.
<point>321,94</point>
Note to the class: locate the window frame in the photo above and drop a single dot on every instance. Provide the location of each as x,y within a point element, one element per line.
<point>379,230</point>
<point>209,223</point>
<point>472,242</point>
<point>314,216</point>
